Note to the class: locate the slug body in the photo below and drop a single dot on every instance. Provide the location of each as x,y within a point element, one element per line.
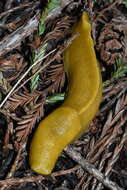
<point>70,120</point>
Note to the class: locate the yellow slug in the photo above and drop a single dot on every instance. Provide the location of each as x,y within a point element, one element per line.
<point>71,119</point>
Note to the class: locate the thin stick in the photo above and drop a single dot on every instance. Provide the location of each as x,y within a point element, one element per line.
<point>31,179</point>
<point>43,67</point>
<point>15,9</point>
<point>76,156</point>
<point>14,87</point>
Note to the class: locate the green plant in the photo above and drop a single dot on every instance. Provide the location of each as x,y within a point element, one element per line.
<point>55,98</point>
<point>36,57</point>
<point>51,5</point>
<point>125,3</point>
<point>120,70</point>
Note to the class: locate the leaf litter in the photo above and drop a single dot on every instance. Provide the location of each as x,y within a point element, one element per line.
<point>101,149</point>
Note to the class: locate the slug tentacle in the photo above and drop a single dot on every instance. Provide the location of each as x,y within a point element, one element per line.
<point>71,119</point>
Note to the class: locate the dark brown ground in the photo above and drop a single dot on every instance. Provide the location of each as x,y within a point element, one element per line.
<point>104,146</point>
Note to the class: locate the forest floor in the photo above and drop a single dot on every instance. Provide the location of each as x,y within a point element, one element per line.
<point>33,37</point>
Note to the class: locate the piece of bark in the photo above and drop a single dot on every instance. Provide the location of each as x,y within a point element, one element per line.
<point>14,40</point>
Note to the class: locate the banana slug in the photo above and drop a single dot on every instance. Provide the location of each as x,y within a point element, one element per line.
<point>71,119</point>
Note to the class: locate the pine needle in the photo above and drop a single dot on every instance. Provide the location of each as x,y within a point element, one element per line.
<point>23,76</point>
<point>120,70</point>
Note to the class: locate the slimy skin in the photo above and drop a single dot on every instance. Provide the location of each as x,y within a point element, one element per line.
<point>53,134</point>
<point>72,118</point>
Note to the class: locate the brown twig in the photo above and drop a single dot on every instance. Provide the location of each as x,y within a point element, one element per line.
<point>76,156</point>
<point>9,182</point>
<point>14,40</point>
<point>15,9</point>
<point>23,76</point>
<point>100,153</point>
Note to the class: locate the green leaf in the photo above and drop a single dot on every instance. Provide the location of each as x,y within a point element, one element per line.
<point>125,3</point>
<point>36,57</point>
<point>34,82</point>
<point>51,5</point>
<point>55,98</point>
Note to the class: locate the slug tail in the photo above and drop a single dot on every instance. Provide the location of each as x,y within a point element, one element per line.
<point>53,134</point>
